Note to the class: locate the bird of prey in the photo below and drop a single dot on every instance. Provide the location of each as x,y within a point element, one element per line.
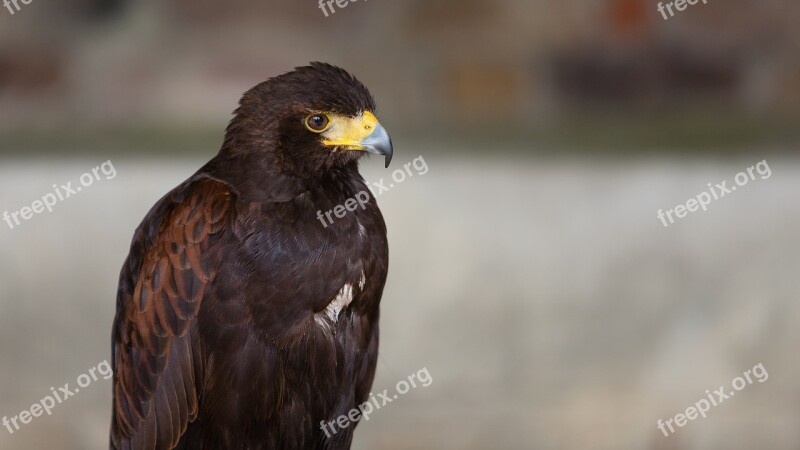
<point>243,321</point>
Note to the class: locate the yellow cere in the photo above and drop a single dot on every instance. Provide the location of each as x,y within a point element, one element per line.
<point>348,132</point>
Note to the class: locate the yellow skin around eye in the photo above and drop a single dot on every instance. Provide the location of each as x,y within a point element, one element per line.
<point>348,132</point>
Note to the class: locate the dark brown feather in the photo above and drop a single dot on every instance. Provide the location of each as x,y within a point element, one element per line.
<point>154,390</point>
<point>221,340</point>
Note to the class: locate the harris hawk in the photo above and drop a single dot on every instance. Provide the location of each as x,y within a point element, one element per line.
<point>242,321</point>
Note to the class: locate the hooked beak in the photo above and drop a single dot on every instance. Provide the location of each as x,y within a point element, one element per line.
<point>363,133</point>
<point>379,143</point>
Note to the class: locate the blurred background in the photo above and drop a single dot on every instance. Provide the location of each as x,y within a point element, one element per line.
<point>529,272</point>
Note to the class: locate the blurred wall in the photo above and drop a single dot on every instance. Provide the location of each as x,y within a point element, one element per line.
<point>437,66</point>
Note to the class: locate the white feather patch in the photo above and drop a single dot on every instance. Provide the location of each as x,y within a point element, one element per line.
<point>343,298</point>
<point>340,302</point>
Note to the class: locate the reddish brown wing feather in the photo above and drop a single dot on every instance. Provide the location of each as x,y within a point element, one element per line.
<point>157,368</point>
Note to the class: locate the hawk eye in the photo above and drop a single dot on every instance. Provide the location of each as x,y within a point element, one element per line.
<point>318,123</point>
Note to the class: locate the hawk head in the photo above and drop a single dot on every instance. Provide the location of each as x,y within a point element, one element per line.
<point>306,123</point>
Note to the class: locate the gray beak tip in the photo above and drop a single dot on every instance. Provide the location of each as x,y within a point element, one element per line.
<point>379,143</point>
<point>389,154</point>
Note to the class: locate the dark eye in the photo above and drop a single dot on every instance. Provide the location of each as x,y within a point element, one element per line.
<point>318,123</point>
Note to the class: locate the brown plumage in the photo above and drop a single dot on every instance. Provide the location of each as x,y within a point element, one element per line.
<point>243,320</point>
